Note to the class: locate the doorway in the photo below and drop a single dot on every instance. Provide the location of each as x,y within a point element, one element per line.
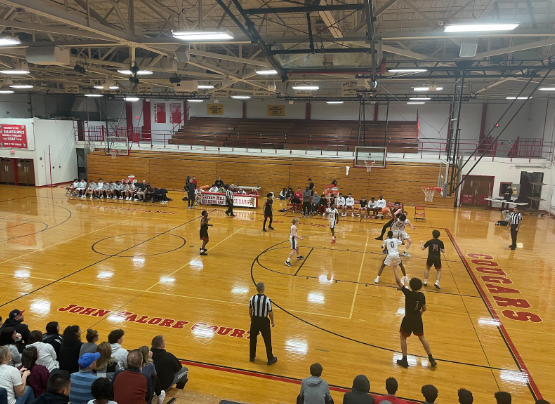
<point>475,190</point>
<point>17,171</point>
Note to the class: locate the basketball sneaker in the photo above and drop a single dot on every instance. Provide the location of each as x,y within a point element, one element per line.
<point>377,279</point>
<point>437,285</point>
<point>300,257</point>
<point>288,264</point>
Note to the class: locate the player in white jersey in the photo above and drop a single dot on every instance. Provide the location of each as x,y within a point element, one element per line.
<point>391,244</point>
<point>333,218</point>
<point>341,204</point>
<point>293,237</point>
<point>399,231</point>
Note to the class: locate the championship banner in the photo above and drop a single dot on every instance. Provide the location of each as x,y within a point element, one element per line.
<point>214,109</point>
<point>276,110</point>
<point>242,201</point>
<point>175,112</point>
<point>13,136</point>
<point>160,112</point>
<point>349,89</point>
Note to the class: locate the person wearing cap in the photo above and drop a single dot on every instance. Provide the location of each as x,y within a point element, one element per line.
<point>82,381</point>
<point>15,320</point>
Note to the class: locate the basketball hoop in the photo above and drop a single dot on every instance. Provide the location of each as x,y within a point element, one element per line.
<point>113,153</point>
<point>429,193</point>
<point>368,165</point>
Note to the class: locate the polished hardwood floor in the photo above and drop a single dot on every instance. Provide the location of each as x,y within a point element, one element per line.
<point>117,264</point>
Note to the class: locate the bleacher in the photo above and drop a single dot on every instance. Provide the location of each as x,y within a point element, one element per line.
<point>399,181</point>
<point>398,136</point>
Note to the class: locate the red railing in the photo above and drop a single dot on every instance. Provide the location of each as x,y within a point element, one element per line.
<point>423,148</point>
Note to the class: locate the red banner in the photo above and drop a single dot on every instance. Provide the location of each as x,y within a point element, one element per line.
<point>160,115</point>
<point>175,112</point>
<point>13,136</point>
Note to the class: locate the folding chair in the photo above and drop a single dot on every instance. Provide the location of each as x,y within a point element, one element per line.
<point>419,213</point>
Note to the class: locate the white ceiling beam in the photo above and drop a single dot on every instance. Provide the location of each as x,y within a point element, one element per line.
<point>48,29</point>
<point>229,58</point>
<point>517,48</point>
<point>422,15</point>
<point>404,52</point>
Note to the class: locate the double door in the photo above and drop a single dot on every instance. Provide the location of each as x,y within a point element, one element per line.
<point>17,171</point>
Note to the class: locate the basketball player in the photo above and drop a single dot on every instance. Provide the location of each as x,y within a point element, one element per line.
<point>373,206</point>
<point>99,191</point>
<point>293,237</point>
<point>399,231</point>
<point>350,204</point>
<point>204,232</point>
<point>91,189</point>
<point>268,211</point>
<point>380,204</point>
<point>435,248</point>
<point>333,218</point>
<point>363,208</point>
<point>392,215</point>
<point>391,244</point>
<point>415,306</point>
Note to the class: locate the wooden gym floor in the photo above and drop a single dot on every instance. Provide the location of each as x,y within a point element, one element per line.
<point>116,264</point>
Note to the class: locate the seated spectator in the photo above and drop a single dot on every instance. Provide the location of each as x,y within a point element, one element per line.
<point>81,188</point>
<point>380,205</point>
<point>90,345</point>
<point>91,189</point>
<point>53,336</point>
<point>373,207</point>
<point>360,392</point>
<point>430,393</point>
<point>105,364</point>
<point>391,386</point>
<point>149,370</point>
<point>506,218</point>
<point>290,193</point>
<point>349,204</point>
<point>340,204</point>
<point>57,390</point>
<point>102,392</point>
<point>131,386</point>
<point>115,338</point>
<point>82,380</point>
<point>503,397</point>
<point>323,204</point>
<point>8,338</point>
<point>213,189</point>
<point>13,380</point>
<point>314,389</point>
<point>465,397</point>
<point>315,202</point>
<point>169,369</point>
<point>364,208</point>
<point>15,320</point>
<point>283,194</point>
<point>46,353</point>
<point>110,190</point>
<point>297,200</point>
<point>69,350</point>
<point>219,183</point>
<point>73,187</point>
<point>141,188</point>
<point>38,379</point>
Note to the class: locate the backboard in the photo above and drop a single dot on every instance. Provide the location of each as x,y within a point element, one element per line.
<point>367,154</point>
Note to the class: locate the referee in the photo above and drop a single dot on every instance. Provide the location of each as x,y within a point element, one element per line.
<point>514,222</point>
<point>260,308</point>
<point>229,200</point>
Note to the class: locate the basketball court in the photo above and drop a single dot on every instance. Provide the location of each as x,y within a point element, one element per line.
<point>109,265</point>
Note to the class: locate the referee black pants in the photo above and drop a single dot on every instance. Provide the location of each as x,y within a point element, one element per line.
<point>229,206</point>
<point>262,325</point>
<point>514,233</point>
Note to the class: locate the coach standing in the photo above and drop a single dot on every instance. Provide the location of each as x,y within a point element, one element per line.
<point>514,222</point>
<point>229,200</point>
<point>260,308</point>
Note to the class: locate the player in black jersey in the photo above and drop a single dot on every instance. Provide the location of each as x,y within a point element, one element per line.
<point>435,248</point>
<point>204,232</point>
<point>393,213</point>
<point>268,211</point>
<point>415,305</point>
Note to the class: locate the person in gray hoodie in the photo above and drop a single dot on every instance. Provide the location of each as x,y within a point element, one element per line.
<point>360,393</point>
<point>314,389</point>
<point>307,206</point>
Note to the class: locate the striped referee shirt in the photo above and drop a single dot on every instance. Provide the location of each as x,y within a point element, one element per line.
<point>261,306</point>
<point>229,194</point>
<point>516,217</point>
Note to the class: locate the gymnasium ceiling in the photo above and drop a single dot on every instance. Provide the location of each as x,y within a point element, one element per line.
<point>105,36</point>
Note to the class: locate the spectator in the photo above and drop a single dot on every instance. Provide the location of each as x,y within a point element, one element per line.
<point>57,391</point>
<point>82,381</point>
<point>290,193</point>
<point>53,336</point>
<point>195,181</point>
<point>105,365</point>
<point>115,338</point>
<point>149,370</point>
<point>46,353</point>
<point>141,188</point>
<point>283,194</point>
<point>503,397</point>
<point>90,345</point>
<point>13,380</point>
<point>391,386</point>
<point>360,392</point>
<point>323,204</point>
<point>38,379</point>
<point>169,369</point>
<point>131,386</point>
<point>315,202</point>
<point>8,337</point>
<point>219,183</point>
<point>307,197</point>
<point>314,389</point>
<point>310,184</point>
<point>102,392</point>
<point>15,320</point>
<point>69,350</point>
<point>465,397</point>
<point>429,392</point>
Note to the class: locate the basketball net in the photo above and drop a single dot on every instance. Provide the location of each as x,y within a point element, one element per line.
<point>113,153</point>
<point>429,193</point>
<point>368,165</point>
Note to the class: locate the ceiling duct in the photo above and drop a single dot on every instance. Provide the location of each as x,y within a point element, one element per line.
<point>48,55</point>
